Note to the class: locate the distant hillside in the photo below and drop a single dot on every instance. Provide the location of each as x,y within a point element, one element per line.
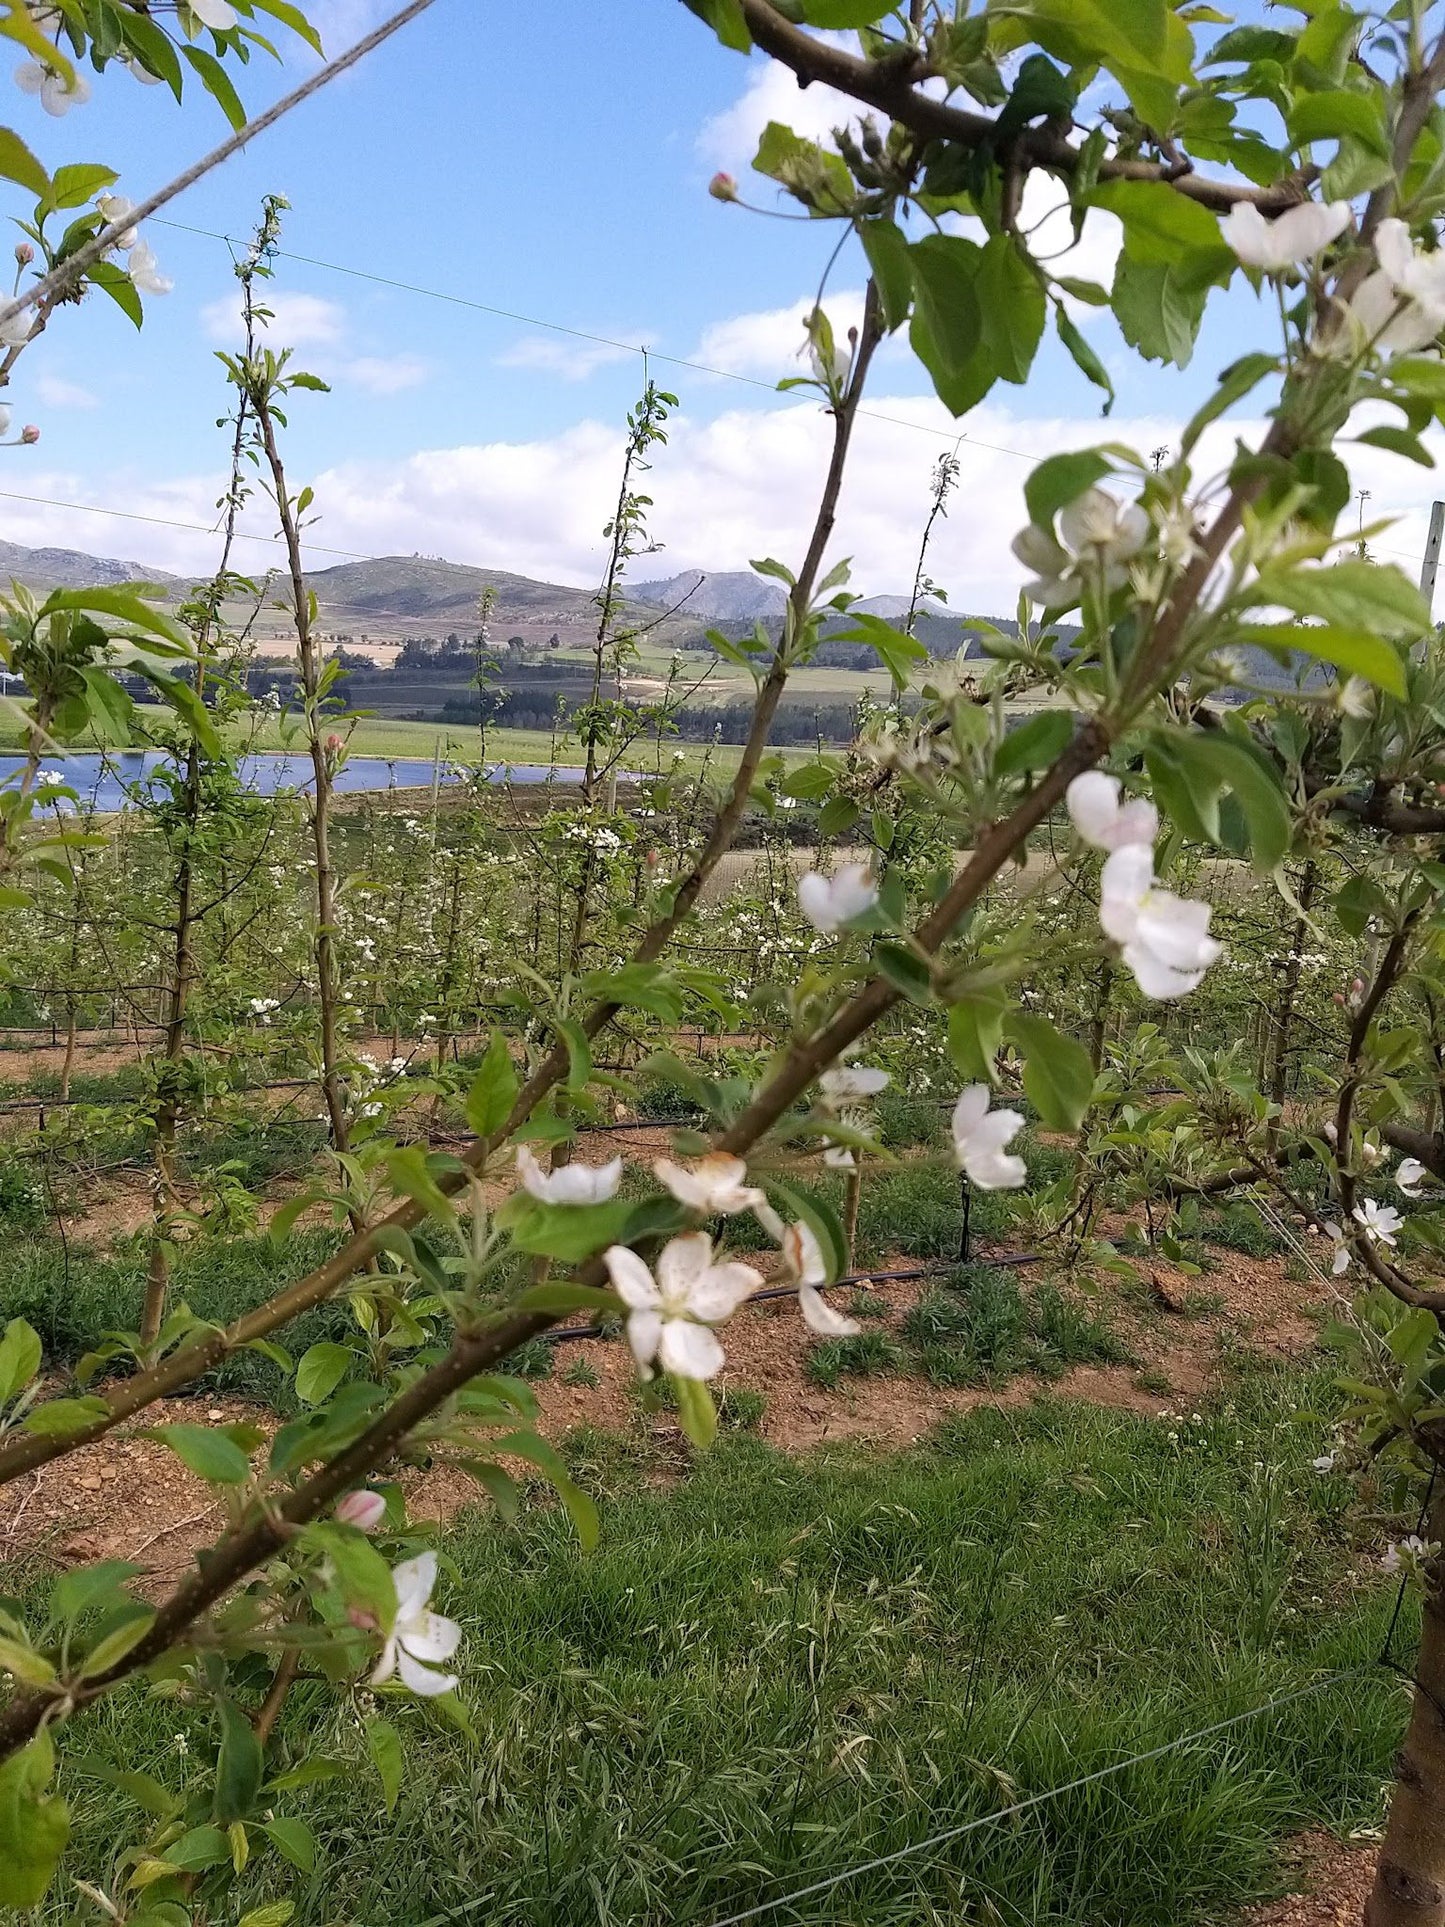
<point>725,595</point>
<point>445,593</point>
<point>47,569</point>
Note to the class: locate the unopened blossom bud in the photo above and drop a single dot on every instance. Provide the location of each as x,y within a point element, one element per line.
<point>362,1620</point>
<point>723,187</point>
<point>24,253</point>
<point>362,1509</point>
<point>30,434</point>
<point>334,744</point>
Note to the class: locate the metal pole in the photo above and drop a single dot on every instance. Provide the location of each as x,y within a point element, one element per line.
<point>965,1196</point>
<point>1430,567</point>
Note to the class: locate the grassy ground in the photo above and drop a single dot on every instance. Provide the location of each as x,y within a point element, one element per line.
<point>388,737</point>
<point>778,1670</point>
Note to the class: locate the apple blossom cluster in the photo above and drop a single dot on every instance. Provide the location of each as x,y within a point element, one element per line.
<point>1164,939</point>
<point>57,91</point>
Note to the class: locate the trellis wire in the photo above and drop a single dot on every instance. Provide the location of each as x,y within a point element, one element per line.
<point>966,1827</point>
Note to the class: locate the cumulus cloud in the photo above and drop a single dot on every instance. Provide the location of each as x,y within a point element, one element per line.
<point>385,374</point>
<point>730,139</point>
<point>56,392</point>
<point>572,358</point>
<point>298,320</point>
<point>773,341</point>
<point>741,485</point>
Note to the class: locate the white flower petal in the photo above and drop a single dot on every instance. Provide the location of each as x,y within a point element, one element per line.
<point>680,1264</point>
<point>689,1350</point>
<point>721,1289</point>
<point>631,1279</point>
<point>414,1580</point>
<point>821,1318</point>
<point>644,1335</point>
<point>421,1680</point>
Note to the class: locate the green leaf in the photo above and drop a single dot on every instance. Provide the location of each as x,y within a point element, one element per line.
<point>895,648</point>
<point>888,260</point>
<point>1234,384</point>
<point>217,83</point>
<point>126,606</point>
<point>384,1746</point>
<point>60,1415</point>
<point>567,1232</point>
<point>210,1454</point>
<point>202,1847</point>
<point>120,1640</point>
<point>321,1370</point>
<point>409,1169</point>
<point>1058,1077</point>
<point>276,1913</point>
<point>838,15</point>
<point>362,1574</point>
<point>1012,307</point>
<point>1157,311</point>
<point>115,282</point>
<point>1085,360</point>
<point>696,1412</point>
<point>293,18</point>
<point>824,1223</point>
<point>1364,595</point>
<point>975,1031</point>
<point>908,975</point>
<point>1035,744</point>
<point>73,186</point>
<point>540,1452</point>
<point>1398,441</point>
<point>1061,479</point>
<point>646,987</point>
<point>34,1824</point>
<point>579,1053</point>
<point>947,331</point>
<point>20,1354</point>
<point>240,1766</point>
<point>727,20</point>
<point>294,1841</point>
<point>817,177</point>
<point>17,163</point>
<point>1339,116</point>
<point>1256,786</point>
<point>1359,652</point>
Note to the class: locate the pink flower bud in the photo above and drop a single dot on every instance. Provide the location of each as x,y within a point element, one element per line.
<point>1339,998</point>
<point>334,745</point>
<point>24,253</point>
<point>362,1620</point>
<point>723,187</point>
<point>30,434</point>
<point>362,1509</point>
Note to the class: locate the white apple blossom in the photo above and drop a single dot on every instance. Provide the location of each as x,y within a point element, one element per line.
<point>1409,1555</point>
<point>979,1138</point>
<point>1341,1260</point>
<point>670,1318</point>
<point>1324,1464</point>
<point>1050,585</point>
<point>713,1185</point>
<point>830,902</point>
<point>851,1084</point>
<point>15,329</point>
<point>1101,819</point>
<point>1355,698</point>
<point>1099,529</point>
<point>419,1638</point>
<point>1297,235</point>
<point>113,208</point>
<point>1410,1176</point>
<point>1380,1222</point>
<point>144,272</point>
<point>570,1183</point>
<point>218,15</point>
<point>803,1256</point>
<point>1164,938</point>
<point>56,94</point>
<point>1401,306</point>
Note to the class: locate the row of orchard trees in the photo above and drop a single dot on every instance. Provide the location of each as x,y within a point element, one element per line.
<point>1305,159</point>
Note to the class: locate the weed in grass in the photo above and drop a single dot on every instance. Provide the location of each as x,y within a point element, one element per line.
<point>1238,1227</point>
<point>1071,1332</point>
<point>742,1409</point>
<point>1202,1304</point>
<point>867,1304</point>
<point>1158,1384</point>
<point>535,1359</point>
<point>582,1372</point>
<point>862,1356</point>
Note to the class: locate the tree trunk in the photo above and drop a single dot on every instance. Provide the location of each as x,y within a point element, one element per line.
<point>1409,1886</point>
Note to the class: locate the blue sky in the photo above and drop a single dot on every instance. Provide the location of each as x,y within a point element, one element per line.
<point>559,172</point>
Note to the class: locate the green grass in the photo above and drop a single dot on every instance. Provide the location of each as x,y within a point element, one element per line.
<point>778,1670</point>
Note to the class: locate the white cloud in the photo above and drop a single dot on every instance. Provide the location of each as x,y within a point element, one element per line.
<point>730,139</point>
<point>743,484</point>
<point>773,341</point>
<point>571,358</point>
<point>385,374</point>
<point>298,320</point>
<point>56,392</point>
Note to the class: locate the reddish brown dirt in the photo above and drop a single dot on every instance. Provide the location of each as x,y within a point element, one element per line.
<point>1335,1877</point>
